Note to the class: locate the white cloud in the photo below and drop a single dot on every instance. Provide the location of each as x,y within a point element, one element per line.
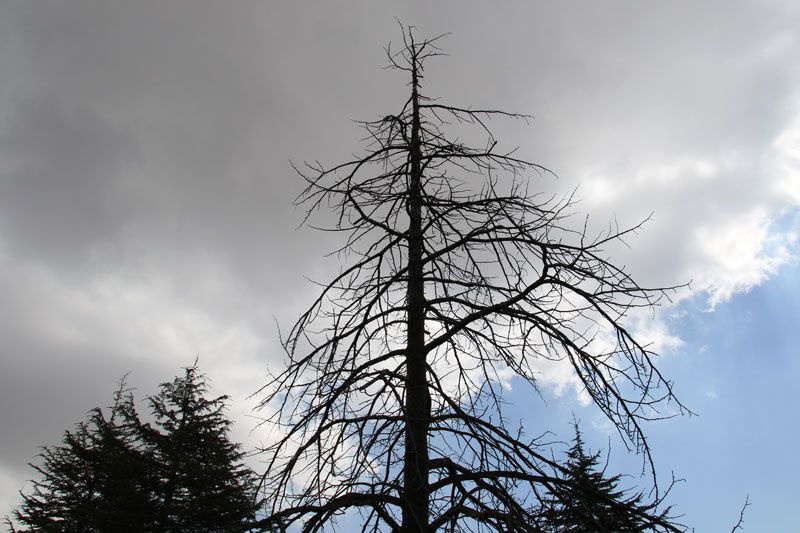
<point>737,256</point>
<point>786,164</point>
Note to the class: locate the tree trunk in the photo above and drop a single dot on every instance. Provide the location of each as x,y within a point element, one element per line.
<point>417,402</point>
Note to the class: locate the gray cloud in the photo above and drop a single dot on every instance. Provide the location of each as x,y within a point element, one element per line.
<point>62,190</point>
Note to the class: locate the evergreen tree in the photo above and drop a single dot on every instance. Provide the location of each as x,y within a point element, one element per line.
<point>588,501</point>
<point>97,480</point>
<point>116,473</point>
<point>203,485</point>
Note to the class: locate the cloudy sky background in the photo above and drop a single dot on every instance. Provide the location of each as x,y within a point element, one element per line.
<point>146,217</point>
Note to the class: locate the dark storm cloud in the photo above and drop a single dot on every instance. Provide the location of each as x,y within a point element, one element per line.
<point>60,193</point>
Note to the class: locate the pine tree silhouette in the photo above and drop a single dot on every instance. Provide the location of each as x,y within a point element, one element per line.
<point>117,473</point>
<point>588,501</point>
<point>96,480</point>
<point>203,485</point>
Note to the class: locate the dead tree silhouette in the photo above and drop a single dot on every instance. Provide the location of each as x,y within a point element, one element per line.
<point>455,275</point>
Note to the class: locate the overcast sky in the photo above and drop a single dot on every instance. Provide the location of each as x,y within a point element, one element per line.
<point>146,191</point>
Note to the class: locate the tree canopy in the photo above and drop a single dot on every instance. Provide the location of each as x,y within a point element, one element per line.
<point>114,472</point>
<point>588,500</point>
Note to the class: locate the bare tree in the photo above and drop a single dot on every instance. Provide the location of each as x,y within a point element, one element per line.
<point>455,277</point>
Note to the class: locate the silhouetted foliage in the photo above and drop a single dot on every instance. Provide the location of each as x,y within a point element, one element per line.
<point>117,473</point>
<point>456,277</point>
<point>97,480</point>
<point>588,501</point>
<point>202,483</point>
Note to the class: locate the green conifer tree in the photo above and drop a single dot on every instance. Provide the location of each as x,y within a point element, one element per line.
<point>590,502</point>
<point>116,473</point>
<point>203,485</point>
<point>96,480</point>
